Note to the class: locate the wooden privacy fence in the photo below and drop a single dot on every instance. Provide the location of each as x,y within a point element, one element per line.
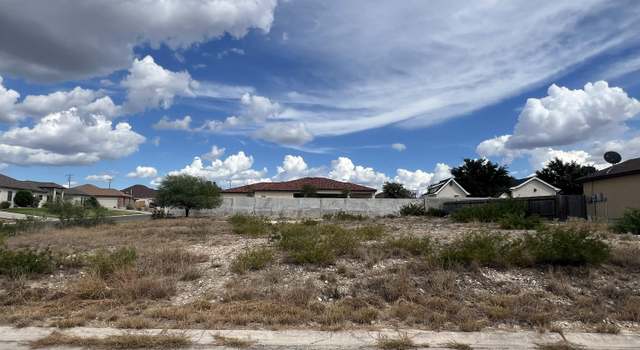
<point>552,207</point>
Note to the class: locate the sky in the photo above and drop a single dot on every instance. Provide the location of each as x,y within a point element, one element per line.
<point>117,93</point>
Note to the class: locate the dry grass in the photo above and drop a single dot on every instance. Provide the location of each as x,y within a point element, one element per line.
<point>125,341</point>
<point>401,342</point>
<point>232,342</point>
<point>562,345</point>
<point>181,278</point>
<point>458,346</point>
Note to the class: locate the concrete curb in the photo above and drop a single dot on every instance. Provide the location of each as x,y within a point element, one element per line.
<point>18,338</point>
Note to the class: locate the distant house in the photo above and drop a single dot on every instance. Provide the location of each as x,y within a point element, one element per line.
<point>530,187</point>
<point>609,192</point>
<point>41,190</point>
<point>107,197</point>
<point>324,188</point>
<point>447,188</point>
<point>143,196</point>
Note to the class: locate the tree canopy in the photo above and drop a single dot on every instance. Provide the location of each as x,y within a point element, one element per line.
<point>188,192</point>
<point>564,175</point>
<point>23,199</point>
<point>482,178</point>
<point>309,190</point>
<point>396,190</point>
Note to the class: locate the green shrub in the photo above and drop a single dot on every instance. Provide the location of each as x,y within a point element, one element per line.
<point>566,246</point>
<point>412,209</point>
<point>252,259</point>
<point>15,263</point>
<point>435,212</point>
<point>105,263</point>
<point>409,245</point>
<point>519,221</point>
<point>5,205</point>
<point>344,216</point>
<point>489,212</point>
<point>91,203</point>
<point>629,222</point>
<point>481,248</point>
<point>250,225</point>
<point>319,244</point>
<point>23,199</point>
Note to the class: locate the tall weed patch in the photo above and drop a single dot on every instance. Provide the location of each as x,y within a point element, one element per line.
<point>629,222</point>
<point>490,212</point>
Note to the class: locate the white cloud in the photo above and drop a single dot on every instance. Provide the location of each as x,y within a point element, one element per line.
<point>149,85</point>
<point>234,170</point>
<point>232,50</point>
<point>343,169</point>
<point>214,154</point>
<point>100,178</point>
<point>85,100</point>
<point>156,182</point>
<point>572,125</point>
<point>399,147</point>
<point>156,141</point>
<point>8,100</point>
<point>178,124</point>
<point>419,180</point>
<point>291,133</point>
<point>143,172</point>
<point>294,167</point>
<point>75,48</point>
<point>68,138</point>
<point>569,116</point>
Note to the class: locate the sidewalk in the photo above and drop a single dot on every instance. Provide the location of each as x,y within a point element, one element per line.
<point>18,338</point>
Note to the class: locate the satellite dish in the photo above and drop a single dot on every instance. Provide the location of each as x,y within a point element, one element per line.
<point>612,157</point>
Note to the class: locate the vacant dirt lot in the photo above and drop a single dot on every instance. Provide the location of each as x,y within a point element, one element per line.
<point>198,273</point>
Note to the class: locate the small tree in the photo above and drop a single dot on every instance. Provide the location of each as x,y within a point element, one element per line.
<point>565,175</point>
<point>188,192</point>
<point>396,190</point>
<point>309,190</point>
<point>92,203</point>
<point>482,178</point>
<point>23,199</point>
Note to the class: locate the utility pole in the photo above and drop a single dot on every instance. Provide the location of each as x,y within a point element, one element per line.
<point>69,176</point>
<point>110,179</point>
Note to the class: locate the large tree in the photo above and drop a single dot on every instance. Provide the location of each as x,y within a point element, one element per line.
<point>396,190</point>
<point>188,192</point>
<point>482,178</point>
<point>564,175</point>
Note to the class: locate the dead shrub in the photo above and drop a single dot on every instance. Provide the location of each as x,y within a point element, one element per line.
<point>393,286</point>
<point>625,256</point>
<point>232,342</point>
<point>134,323</point>
<point>260,312</point>
<point>91,287</point>
<point>170,261</point>
<point>125,341</point>
<point>104,263</point>
<point>129,286</point>
<point>402,342</point>
<point>631,309</point>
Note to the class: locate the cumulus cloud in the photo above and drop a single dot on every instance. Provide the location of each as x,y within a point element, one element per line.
<point>572,125</point>
<point>568,116</point>
<point>399,147</point>
<point>285,133</point>
<point>343,169</point>
<point>236,169</point>
<point>8,100</point>
<point>419,180</point>
<point>149,85</point>
<point>85,100</point>
<point>68,138</point>
<point>295,167</point>
<point>75,48</point>
<point>214,154</point>
<point>143,172</point>
<point>177,124</point>
<point>100,178</point>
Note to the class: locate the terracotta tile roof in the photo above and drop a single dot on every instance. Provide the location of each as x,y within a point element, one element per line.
<point>320,183</point>
<point>140,191</point>
<point>628,167</point>
<point>94,191</point>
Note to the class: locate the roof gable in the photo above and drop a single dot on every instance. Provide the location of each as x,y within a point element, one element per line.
<point>320,184</point>
<point>522,182</point>
<point>437,187</point>
<point>140,191</point>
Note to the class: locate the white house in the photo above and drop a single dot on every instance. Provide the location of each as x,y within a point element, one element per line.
<point>42,191</point>
<point>447,188</point>
<point>530,187</point>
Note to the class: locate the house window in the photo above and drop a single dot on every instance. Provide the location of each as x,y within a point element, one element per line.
<point>535,190</point>
<point>9,196</point>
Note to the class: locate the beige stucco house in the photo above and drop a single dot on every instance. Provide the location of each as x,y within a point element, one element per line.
<point>107,197</point>
<point>447,188</point>
<point>530,187</point>
<point>609,192</point>
<point>324,188</point>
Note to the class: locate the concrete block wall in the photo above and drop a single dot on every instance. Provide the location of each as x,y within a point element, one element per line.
<point>313,207</point>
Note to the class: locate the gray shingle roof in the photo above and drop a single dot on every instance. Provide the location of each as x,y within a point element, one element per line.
<point>628,167</point>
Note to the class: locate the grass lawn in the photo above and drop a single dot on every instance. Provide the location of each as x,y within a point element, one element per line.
<point>45,212</point>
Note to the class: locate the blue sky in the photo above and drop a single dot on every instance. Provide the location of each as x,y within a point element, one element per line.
<point>259,90</point>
